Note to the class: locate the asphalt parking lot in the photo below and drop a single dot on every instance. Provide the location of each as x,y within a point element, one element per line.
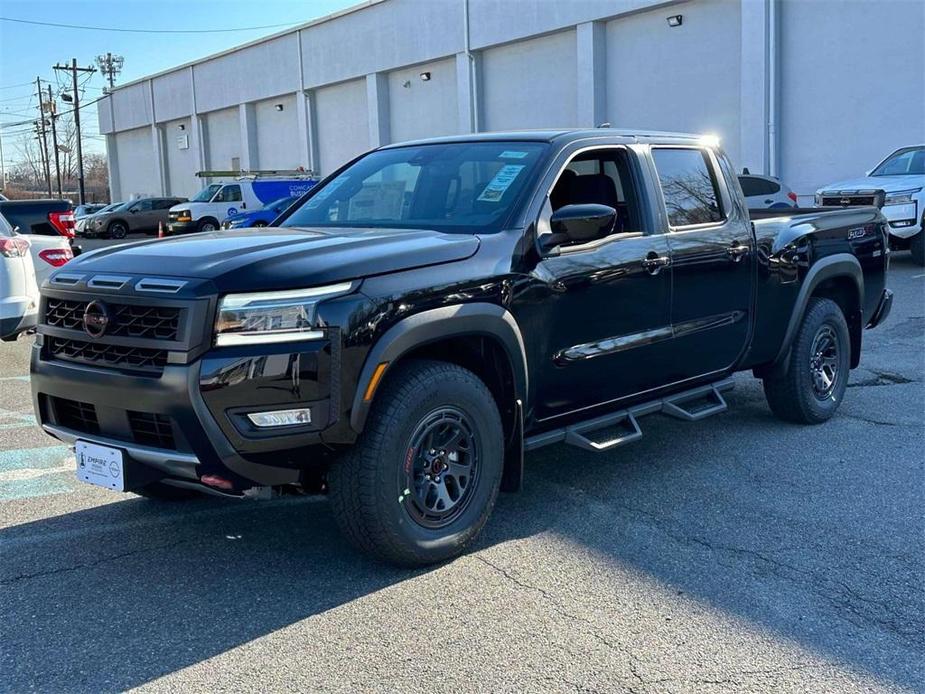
<point>738,553</point>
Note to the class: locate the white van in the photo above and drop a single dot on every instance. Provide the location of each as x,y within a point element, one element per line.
<point>215,202</point>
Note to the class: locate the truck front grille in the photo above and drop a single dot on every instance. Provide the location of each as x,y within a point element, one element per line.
<point>151,429</point>
<point>128,320</point>
<point>79,416</point>
<point>118,356</point>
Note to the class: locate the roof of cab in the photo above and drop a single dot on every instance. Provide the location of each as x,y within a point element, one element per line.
<point>560,136</point>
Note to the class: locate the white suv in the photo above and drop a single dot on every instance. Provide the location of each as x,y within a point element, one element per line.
<point>898,184</point>
<point>19,293</point>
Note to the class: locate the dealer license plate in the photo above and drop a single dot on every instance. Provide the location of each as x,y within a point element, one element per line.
<point>100,465</point>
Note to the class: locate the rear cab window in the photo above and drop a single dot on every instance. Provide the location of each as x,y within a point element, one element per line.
<point>689,186</point>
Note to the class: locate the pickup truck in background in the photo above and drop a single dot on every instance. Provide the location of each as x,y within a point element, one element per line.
<point>49,227</point>
<point>433,310</point>
<point>897,185</point>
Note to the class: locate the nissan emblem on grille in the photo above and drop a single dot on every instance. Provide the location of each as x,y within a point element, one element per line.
<point>96,319</point>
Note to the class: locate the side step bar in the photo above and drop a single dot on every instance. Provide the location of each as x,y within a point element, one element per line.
<point>617,428</point>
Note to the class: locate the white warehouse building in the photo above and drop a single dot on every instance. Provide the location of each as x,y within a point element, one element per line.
<point>806,90</point>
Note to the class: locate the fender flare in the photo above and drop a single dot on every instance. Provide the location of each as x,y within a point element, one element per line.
<point>829,267</point>
<point>489,320</point>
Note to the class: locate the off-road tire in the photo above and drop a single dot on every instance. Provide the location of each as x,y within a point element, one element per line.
<point>917,246</point>
<point>117,230</point>
<point>366,497</point>
<point>792,396</point>
<point>164,492</point>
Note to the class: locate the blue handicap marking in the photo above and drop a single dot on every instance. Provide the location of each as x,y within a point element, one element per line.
<point>32,472</point>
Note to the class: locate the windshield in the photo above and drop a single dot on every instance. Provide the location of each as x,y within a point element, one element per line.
<point>110,208</point>
<point>905,162</point>
<point>463,187</point>
<point>206,193</point>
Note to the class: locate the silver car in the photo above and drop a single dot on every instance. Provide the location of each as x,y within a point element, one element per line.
<point>766,192</point>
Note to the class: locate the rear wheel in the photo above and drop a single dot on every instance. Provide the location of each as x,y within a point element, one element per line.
<point>917,246</point>
<point>164,492</point>
<point>118,230</point>
<point>814,385</point>
<point>260,224</point>
<point>419,485</point>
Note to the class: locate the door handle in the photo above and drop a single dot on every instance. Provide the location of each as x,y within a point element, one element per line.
<point>736,251</point>
<point>653,262</point>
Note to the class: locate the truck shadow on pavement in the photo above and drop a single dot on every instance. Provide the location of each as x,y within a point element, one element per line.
<point>117,595</point>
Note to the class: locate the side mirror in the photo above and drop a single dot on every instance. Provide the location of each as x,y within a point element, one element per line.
<point>573,224</point>
<point>868,172</point>
<point>133,210</point>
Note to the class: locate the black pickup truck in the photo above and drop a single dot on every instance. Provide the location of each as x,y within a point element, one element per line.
<point>433,310</point>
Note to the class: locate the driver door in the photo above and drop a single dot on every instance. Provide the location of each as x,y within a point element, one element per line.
<point>601,316</point>
<point>142,216</point>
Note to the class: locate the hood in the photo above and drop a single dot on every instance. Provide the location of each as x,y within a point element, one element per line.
<point>281,258</point>
<point>889,184</point>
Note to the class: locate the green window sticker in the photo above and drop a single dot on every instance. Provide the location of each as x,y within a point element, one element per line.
<point>500,183</point>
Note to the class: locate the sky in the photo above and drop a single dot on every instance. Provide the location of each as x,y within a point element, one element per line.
<point>28,51</point>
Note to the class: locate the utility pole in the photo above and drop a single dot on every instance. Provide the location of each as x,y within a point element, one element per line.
<point>44,140</point>
<point>110,65</point>
<point>73,69</point>
<point>54,137</point>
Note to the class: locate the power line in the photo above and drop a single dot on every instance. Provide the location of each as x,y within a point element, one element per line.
<point>146,31</point>
<point>13,86</point>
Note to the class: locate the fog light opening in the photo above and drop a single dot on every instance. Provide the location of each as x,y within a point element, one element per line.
<point>281,418</point>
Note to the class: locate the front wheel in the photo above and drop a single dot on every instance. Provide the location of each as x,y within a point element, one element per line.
<point>917,246</point>
<point>117,230</point>
<point>207,225</point>
<point>814,385</point>
<point>420,483</point>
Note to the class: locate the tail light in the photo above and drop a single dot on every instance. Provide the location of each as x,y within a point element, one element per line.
<point>63,222</point>
<point>56,257</point>
<point>792,196</point>
<point>15,247</point>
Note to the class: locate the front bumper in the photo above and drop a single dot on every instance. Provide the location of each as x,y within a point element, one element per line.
<point>884,306</point>
<point>175,227</point>
<point>203,403</point>
<point>904,220</point>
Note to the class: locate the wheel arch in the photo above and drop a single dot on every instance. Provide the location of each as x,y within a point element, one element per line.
<point>837,277</point>
<point>481,337</point>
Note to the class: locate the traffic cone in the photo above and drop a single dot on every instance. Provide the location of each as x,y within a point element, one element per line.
<point>160,230</point>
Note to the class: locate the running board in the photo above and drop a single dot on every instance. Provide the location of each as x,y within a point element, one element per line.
<point>618,428</point>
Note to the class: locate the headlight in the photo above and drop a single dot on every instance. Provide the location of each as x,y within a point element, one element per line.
<point>266,317</point>
<point>818,199</point>
<point>901,197</point>
<point>184,216</point>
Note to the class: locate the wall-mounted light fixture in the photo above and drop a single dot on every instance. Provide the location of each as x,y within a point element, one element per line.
<point>182,126</point>
<point>425,77</point>
<point>279,107</point>
<point>675,20</point>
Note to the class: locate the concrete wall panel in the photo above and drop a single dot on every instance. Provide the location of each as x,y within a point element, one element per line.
<point>256,72</point>
<point>682,78</point>
<point>181,161</point>
<point>423,109</point>
<point>842,109</point>
<point>530,84</point>
<point>135,151</point>
<point>172,96</point>
<point>223,139</point>
<point>342,119</point>
<point>381,37</point>
<point>277,134</point>
<point>131,107</point>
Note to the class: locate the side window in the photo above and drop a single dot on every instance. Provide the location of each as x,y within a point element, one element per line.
<point>753,186</point>
<point>602,177</point>
<point>688,185</point>
<point>143,205</point>
<point>229,194</point>
<point>163,204</point>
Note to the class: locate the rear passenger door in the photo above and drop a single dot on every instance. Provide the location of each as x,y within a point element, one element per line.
<point>712,248</point>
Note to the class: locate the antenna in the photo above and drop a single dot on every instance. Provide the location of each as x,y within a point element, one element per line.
<point>110,65</point>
